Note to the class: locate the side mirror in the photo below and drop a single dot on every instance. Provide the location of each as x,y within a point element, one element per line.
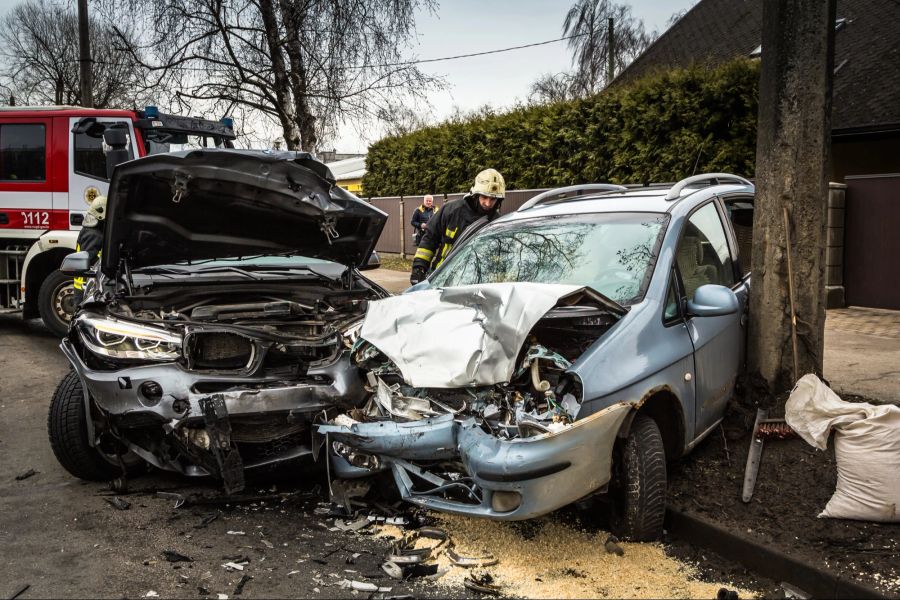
<point>374,262</point>
<point>713,301</point>
<point>75,264</point>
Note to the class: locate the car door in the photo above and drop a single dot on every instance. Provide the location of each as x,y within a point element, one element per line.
<point>87,167</point>
<point>704,257</point>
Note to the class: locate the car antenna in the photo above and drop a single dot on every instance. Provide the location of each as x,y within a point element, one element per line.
<point>697,162</point>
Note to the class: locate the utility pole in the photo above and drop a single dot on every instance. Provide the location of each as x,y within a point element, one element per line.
<point>610,50</point>
<point>793,155</point>
<point>84,50</point>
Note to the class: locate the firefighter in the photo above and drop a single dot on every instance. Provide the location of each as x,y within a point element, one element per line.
<point>483,200</point>
<point>421,216</point>
<point>90,239</point>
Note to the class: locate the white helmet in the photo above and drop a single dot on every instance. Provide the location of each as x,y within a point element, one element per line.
<point>489,183</point>
<point>96,212</point>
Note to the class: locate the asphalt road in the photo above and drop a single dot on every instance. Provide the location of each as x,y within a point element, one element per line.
<point>62,538</point>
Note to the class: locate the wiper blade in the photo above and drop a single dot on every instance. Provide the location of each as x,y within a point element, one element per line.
<point>244,272</point>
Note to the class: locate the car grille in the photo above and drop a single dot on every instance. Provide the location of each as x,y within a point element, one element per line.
<point>221,350</point>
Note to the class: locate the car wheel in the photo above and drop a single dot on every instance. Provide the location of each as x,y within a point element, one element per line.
<point>639,490</point>
<point>56,302</point>
<point>67,428</point>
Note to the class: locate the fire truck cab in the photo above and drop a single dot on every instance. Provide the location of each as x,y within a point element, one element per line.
<point>52,165</point>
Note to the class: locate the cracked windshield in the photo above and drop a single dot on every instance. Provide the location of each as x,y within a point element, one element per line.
<point>613,254</point>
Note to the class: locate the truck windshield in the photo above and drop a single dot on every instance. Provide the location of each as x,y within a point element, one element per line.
<point>160,143</point>
<point>613,253</point>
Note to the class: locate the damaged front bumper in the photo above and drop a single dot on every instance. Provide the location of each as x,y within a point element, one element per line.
<point>504,479</point>
<point>185,400</point>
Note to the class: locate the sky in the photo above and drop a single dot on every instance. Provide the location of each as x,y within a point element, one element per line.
<point>499,80</point>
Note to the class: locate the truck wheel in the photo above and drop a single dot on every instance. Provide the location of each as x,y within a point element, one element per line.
<point>67,427</point>
<point>56,302</point>
<point>639,490</point>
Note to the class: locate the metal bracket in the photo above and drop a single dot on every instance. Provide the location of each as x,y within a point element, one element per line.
<point>227,457</point>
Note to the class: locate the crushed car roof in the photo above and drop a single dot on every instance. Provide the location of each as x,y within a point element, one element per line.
<point>217,203</point>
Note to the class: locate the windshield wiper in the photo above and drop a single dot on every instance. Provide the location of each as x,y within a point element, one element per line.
<point>244,272</point>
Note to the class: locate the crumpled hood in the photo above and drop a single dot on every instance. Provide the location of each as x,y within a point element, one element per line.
<point>461,336</point>
<point>218,203</point>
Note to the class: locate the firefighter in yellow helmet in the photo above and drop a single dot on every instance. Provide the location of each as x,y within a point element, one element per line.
<point>483,200</point>
<point>90,239</point>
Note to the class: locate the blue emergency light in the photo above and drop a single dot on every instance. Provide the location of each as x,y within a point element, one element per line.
<point>228,122</point>
<point>151,112</point>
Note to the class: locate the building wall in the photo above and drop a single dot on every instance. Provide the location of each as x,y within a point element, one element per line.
<point>865,156</point>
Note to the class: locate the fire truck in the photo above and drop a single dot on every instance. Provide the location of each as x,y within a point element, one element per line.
<point>52,165</point>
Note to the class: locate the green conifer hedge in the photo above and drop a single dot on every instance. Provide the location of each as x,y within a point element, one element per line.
<point>660,128</point>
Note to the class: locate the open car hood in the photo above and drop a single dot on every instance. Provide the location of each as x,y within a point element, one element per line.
<point>206,204</point>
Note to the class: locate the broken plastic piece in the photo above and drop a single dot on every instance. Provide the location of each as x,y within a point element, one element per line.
<point>483,584</point>
<point>26,475</point>
<point>118,503</point>
<point>172,556</point>
<point>471,561</point>
<point>239,589</point>
<point>178,498</point>
<point>612,546</point>
<point>362,586</point>
<point>360,523</point>
<point>234,566</point>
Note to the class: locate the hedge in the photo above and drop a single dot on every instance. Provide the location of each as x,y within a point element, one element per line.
<point>659,128</point>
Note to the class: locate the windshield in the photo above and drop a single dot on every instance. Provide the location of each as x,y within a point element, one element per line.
<point>160,142</point>
<point>612,253</point>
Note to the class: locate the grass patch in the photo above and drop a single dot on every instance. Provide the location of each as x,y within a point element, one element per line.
<point>394,262</point>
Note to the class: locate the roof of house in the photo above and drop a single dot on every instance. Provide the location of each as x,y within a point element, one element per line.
<point>867,54</point>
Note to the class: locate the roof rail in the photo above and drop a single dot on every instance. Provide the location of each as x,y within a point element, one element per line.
<point>713,178</point>
<point>577,190</point>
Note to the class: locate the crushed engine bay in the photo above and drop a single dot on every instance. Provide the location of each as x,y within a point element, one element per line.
<point>459,447</point>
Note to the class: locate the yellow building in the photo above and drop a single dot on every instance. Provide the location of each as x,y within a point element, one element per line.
<point>349,173</point>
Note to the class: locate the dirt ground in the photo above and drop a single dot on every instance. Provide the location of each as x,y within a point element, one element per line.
<point>62,538</point>
<point>794,484</point>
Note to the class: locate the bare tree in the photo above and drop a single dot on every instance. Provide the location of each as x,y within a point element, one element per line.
<point>587,21</point>
<point>39,52</point>
<point>308,65</point>
<point>551,88</point>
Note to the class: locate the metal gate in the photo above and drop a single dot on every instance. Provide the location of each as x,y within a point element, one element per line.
<point>872,241</point>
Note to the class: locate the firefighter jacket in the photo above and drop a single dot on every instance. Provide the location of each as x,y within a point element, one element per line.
<point>90,240</point>
<point>445,227</point>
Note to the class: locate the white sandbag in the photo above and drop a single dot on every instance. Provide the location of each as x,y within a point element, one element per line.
<point>866,447</point>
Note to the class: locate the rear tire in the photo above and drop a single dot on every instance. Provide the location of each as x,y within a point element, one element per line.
<point>67,428</point>
<point>639,494</point>
<point>56,302</point>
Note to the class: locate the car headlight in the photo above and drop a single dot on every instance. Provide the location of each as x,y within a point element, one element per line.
<point>128,341</point>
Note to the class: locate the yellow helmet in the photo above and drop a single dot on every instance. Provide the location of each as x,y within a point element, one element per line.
<point>489,183</point>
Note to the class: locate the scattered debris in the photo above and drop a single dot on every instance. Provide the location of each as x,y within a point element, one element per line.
<point>151,594</point>
<point>203,590</point>
<point>178,498</point>
<point>239,589</point>
<point>207,520</point>
<point>268,544</point>
<point>362,586</point>
<point>471,561</point>
<point>360,523</point>
<point>726,594</point>
<point>793,592</point>
<point>26,475</point>
<point>612,546</point>
<point>118,503</point>
<point>172,556</point>
<point>235,533</point>
<point>233,566</point>
<point>20,591</point>
<point>221,596</point>
<point>483,584</point>
<point>351,560</point>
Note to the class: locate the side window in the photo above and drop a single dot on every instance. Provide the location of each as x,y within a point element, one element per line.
<point>89,159</point>
<point>703,255</point>
<point>671,312</point>
<point>740,212</point>
<point>22,152</point>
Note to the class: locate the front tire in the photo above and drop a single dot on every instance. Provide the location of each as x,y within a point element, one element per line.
<point>639,495</point>
<point>56,302</point>
<point>67,427</point>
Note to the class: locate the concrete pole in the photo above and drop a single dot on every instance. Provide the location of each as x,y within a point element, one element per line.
<point>84,49</point>
<point>792,171</point>
<point>402,231</point>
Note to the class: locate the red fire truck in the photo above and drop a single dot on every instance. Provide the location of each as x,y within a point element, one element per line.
<point>52,165</point>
